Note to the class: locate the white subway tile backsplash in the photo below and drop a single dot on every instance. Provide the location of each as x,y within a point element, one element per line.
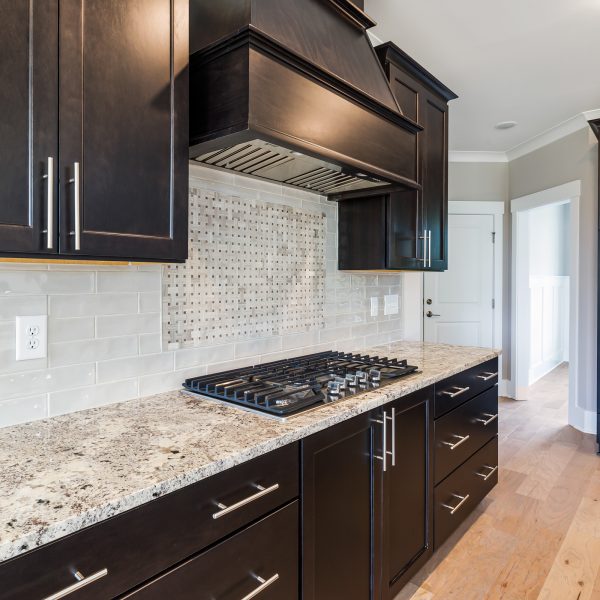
<point>149,302</point>
<point>150,343</point>
<point>256,347</point>
<point>31,408</point>
<point>68,401</point>
<point>105,337</point>
<point>115,325</point>
<point>93,304</point>
<point>125,368</point>
<point>72,353</point>
<point>46,282</point>
<point>22,305</point>
<point>17,385</point>
<point>188,357</point>
<point>136,281</point>
<point>68,330</point>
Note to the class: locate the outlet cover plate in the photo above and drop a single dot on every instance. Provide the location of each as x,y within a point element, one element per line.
<point>390,304</point>
<point>32,337</point>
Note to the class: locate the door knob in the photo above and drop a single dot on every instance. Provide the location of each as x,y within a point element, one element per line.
<point>430,314</point>
<point>429,301</point>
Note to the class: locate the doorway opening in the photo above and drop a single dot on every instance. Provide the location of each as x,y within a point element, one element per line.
<point>544,299</point>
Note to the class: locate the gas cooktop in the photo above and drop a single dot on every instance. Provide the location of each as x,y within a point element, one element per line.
<point>287,387</point>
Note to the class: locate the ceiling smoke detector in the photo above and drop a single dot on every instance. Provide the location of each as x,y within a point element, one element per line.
<point>505,125</point>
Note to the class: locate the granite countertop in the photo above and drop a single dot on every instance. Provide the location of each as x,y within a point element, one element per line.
<point>62,474</point>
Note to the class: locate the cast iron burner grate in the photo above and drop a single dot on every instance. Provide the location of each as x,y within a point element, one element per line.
<point>287,387</point>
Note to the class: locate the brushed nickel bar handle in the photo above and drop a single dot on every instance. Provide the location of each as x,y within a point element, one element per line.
<point>80,583</point>
<point>49,177</point>
<point>462,499</point>
<point>262,491</point>
<point>264,584</point>
<point>486,477</point>
<point>458,392</point>
<point>462,440</point>
<point>429,251</point>
<point>424,238</point>
<point>385,451</point>
<point>393,453</point>
<point>489,420</point>
<point>77,197</point>
<point>487,376</point>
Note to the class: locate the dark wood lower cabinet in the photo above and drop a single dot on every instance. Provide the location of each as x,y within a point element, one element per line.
<point>263,558</point>
<point>341,507</point>
<point>407,491</point>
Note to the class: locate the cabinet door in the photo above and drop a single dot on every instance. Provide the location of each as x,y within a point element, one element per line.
<point>28,124</point>
<point>407,490</point>
<point>341,511</point>
<point>405,231</point>
<point>124,128</point>
<point>434,173</point>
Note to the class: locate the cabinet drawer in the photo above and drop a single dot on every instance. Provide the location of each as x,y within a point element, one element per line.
<point>135,546</point>
<point>458,495</point>
<point>460,433</point>
<point>455,390</point>
<point>264,555</point>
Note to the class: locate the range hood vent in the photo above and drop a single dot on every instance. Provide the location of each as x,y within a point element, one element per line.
<point>268,161</point>
<point>292,91</point>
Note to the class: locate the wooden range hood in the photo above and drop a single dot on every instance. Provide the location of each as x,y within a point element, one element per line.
<point>292,91</point>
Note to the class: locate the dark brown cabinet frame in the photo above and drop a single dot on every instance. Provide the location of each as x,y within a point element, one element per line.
<point>86,103</point>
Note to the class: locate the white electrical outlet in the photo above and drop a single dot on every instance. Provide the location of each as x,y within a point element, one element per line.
<point>32,337</point>
<point>390,304</point>
<point>374,306</point>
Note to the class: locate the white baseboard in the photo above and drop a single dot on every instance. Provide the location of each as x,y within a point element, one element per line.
<point>536,372</point>
<point>505,388</point>
<point>583,419</point>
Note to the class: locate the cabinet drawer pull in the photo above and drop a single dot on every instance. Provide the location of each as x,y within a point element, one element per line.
<point>262,491</point>
<point>490,419</point>
<point>429,250</point>
<point>49,231</point>
<point>461,440</point>
<point>458,391</point>
<point>77,208</point>
<point>453,509</point>
<point>264,584</point>
<point>487,376</point>
<point>486,477</point>
<point>80,583</point>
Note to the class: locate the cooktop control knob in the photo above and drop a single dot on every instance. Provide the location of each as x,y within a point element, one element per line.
<point>333,388</point>
<point>351,380</point>
<point>362,377</point>
<point>375,375</point>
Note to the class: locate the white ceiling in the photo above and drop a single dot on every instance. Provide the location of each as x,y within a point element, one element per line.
<point>531,61</point>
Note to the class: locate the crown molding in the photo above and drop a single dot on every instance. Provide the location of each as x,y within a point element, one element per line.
<point>576,123</point>
<point>460,156</point>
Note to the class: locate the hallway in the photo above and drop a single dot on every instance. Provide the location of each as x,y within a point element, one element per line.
<point>537,535</point>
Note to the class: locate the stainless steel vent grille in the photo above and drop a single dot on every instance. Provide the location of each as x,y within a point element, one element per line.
<point>268,161</point>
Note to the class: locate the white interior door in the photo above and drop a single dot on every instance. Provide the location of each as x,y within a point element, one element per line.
<point>458,303</point>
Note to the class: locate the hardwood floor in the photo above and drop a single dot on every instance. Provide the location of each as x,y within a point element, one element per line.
<point>537,535</point>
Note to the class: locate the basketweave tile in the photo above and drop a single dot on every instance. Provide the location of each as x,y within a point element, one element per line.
<point>254,269</point>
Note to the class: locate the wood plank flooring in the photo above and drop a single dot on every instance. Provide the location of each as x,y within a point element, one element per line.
<point>537,535</point>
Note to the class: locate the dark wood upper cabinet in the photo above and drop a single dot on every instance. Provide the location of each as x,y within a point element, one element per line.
<point>28,124</point>
<point>414,235</point>
<point>407,490</point>
<point>107,99</point>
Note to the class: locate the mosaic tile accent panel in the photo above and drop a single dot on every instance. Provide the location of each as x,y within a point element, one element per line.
<point>255,269</point>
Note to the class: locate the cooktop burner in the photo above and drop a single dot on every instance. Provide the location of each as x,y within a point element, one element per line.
<point>288,387</point>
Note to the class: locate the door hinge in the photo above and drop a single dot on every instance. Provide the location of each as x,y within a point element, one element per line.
<point>493,237</point>
<point>493,303</point>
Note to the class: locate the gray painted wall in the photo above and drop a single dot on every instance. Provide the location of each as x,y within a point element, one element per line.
<point>574,157</point>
